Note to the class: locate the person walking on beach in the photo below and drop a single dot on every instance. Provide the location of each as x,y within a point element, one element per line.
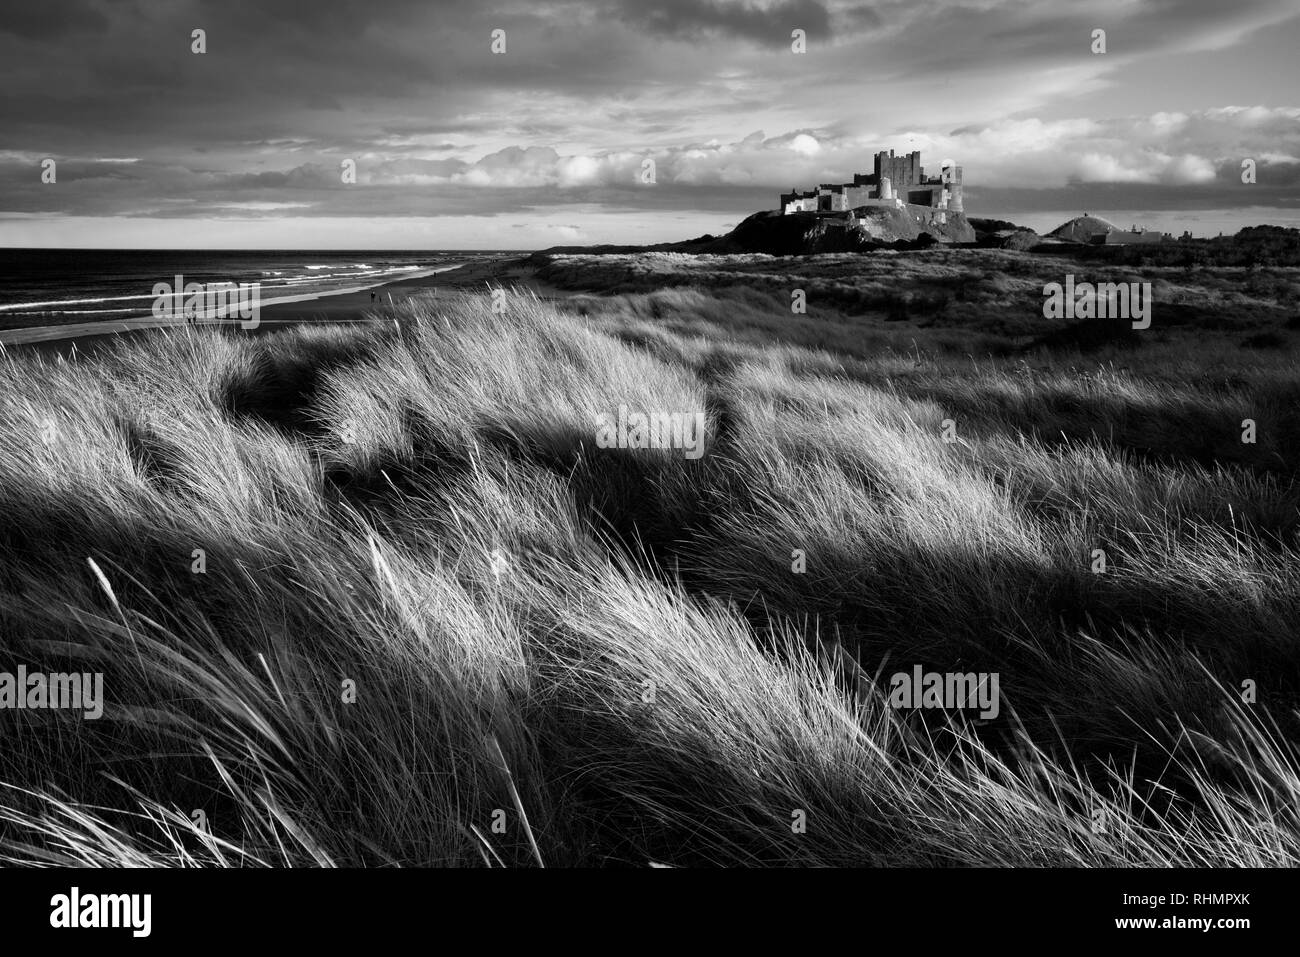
<point>372,297</point>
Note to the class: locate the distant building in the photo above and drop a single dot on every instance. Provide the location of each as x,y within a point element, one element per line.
<point>1132,236</point>
<point>897,181</point>
<point>1095,231</point>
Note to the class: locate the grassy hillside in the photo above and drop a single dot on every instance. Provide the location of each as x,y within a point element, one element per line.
<point>436,624</point>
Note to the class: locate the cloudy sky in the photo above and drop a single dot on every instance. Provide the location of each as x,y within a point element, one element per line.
<point>459,147</point>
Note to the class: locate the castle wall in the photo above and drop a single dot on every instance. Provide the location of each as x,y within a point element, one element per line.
<point>856,195</point>
<point>1130,238</point>
<point>926,215</point>
<point>924,196</point>
<point>891,203</point>
<point>952,179</point>
<point>897,180</point>
<point>831,199</point>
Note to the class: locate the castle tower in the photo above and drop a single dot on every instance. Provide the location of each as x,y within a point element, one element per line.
<point>886,188</point>
<point>952,186</point>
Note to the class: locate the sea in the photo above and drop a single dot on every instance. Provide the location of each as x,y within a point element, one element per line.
<point>40,287</point>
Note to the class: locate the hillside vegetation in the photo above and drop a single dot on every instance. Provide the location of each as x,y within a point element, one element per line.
<point>437,624</point>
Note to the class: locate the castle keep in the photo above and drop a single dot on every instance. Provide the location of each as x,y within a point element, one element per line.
<point>896,181</point>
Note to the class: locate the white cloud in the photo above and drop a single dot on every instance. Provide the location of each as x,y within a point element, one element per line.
<point>1163,148</point>
<point>805,145</point>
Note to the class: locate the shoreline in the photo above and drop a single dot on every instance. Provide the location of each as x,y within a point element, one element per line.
<point>349,304</point>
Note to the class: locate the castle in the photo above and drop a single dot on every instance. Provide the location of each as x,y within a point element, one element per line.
<point>897,181</point>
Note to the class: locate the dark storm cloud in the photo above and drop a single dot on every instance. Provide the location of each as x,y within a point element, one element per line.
<point>1082,198</point>
<point>336,72</point>
<point>861,17</point>
<point>52,19</point>
<point>437,125</point>
<point>932,38</point>
<point>769,25</point>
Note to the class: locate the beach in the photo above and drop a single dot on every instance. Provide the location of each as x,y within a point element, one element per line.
<point>356,304</point>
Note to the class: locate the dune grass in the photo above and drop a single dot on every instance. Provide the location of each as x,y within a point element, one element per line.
<point>376,597</point>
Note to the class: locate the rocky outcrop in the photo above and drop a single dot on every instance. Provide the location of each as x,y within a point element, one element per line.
<point>800,234</point>
<point>1000,234</point>
<point>1083,229</point>
<point>796,234</point>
